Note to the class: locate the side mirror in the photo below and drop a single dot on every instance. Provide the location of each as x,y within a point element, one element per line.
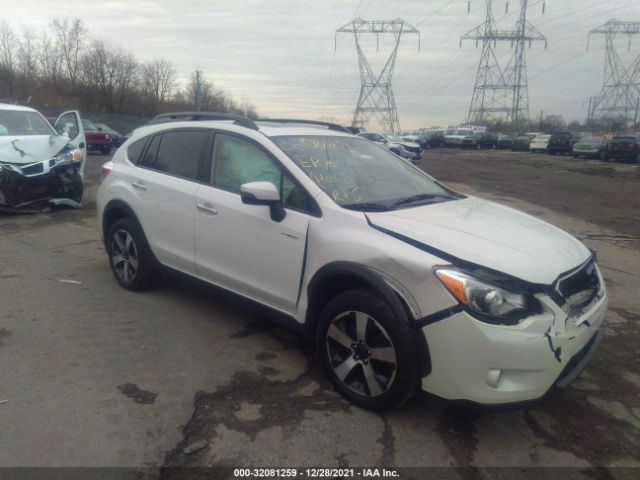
<point>263,193</point>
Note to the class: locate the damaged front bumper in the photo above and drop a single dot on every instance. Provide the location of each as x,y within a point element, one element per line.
<point>56,181</point>
<point>499,364</point>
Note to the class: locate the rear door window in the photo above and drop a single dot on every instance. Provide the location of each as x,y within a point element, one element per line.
<point>177,153</point>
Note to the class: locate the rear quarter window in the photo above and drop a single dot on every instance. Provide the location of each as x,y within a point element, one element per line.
<point>135,150</point>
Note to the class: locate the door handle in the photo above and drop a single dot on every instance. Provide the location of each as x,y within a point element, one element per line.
<point>206,209</point>
<point>139,186</point>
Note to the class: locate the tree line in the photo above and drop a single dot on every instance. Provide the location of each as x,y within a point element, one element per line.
<point>66,67</point>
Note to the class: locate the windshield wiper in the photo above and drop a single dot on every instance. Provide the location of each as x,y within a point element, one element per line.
<point>364,207</point>
<point>422,198</point>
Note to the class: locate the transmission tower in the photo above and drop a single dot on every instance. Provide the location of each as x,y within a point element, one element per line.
<point>502,93</point>
<point>376,95</point>
<point>620,94</point>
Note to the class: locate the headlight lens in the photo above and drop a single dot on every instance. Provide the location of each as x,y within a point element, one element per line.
<point>68,157</point>
<point>487,300</point>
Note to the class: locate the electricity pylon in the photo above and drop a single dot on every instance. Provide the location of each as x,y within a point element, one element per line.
<point>376,95</point>
<point>618,99</point>
<point>502,93</point>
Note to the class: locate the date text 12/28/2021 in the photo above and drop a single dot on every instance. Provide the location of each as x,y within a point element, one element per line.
<point>314,473</point>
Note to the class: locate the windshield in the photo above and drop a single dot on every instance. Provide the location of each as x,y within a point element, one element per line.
<point>463,132</point>
<point>592,140</point>
<point>14,122</point>
<point>360,175</point>
<point>88,124</point>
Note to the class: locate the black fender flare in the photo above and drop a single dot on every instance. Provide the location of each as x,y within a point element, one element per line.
<point>117,204</point>
<point>376,281</point>
<point>363,273</point>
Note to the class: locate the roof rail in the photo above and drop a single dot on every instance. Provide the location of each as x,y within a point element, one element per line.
<point>329,125</point>
<point>202,116</point>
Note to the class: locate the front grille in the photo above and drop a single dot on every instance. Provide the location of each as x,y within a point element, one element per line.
<point>413,149</point>
<point>580,288</point>
<point>33,169</point>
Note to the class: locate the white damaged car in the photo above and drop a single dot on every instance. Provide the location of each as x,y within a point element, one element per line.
<point>40,165</point>
<point>403,283</point>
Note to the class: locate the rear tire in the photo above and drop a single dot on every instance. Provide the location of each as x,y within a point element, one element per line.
<point>368,355</point>
<point>130,257</point>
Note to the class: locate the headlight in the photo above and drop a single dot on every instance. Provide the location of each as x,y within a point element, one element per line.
<point>68,157</point>
<point>489,302</point>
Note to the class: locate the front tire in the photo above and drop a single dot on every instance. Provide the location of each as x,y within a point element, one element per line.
<point>106,150</point>
<point>368,355</point>
<point>130,258</point>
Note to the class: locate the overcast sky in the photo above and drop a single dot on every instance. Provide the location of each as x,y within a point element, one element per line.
<point>280,53</point>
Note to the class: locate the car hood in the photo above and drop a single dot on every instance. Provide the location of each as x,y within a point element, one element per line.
<point>489,235</point>
<point>30,148</point>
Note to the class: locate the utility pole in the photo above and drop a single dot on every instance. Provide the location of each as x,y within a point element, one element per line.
<point>376,95</point>
<point>198,89</point>
<point>620,86</point>
<point>502,93</point>
<point>540,124</point>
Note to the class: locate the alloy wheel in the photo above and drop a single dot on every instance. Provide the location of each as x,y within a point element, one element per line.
<point>361,353</point>
<point>124,255</point>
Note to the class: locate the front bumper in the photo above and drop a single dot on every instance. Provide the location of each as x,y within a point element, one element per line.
<point>495,364</point>
<point>413,156</point>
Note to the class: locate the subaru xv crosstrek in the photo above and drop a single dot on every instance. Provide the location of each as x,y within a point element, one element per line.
<point>403,283</point>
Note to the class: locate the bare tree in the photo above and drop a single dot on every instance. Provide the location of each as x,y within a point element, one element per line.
<point>127,78</point>
<point>158,81</point>
<point>70,36</point>
<point>27,61</point>
<point>49,60</point>
<point>8,51</point>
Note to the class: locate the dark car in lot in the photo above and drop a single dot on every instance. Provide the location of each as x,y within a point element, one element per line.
<point>623,147</point>
<point>504,140</point>
<point>431,139</point>
<point>480,140</point>
<point>117,138</point>
<point>590,147</point>
<point>562,142</point>
<point>522,141</point>
<point>97,140</point>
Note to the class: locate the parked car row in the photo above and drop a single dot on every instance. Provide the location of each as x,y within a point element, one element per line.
<point>621,147</point>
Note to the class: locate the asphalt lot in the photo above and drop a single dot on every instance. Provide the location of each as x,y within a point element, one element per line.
<point>94,375</point>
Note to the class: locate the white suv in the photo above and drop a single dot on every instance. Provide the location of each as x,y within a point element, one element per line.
<point>403,283</point>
